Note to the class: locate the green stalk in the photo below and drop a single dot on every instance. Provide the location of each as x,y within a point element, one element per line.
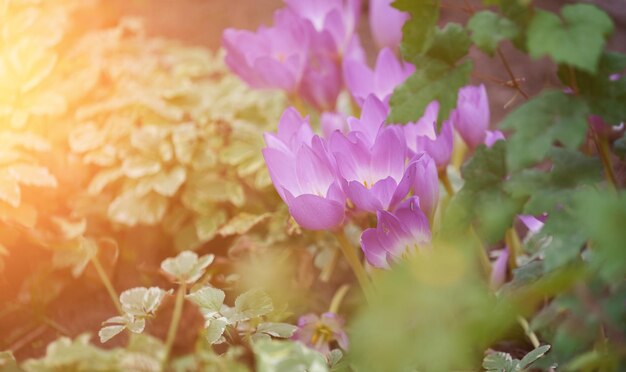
<point>337,298</point>
<point>355,263</point>
<point>443,177</point>
<point>107,284</point>
<point>173,329</point>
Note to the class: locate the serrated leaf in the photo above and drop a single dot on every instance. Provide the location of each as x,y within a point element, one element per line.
<point>85,137</point>
<point>501,362</point>
<point>562,38</point>
<point>450,44</point>
<point>282,330</point>
<point>187,267</point>
<point>10,190</point>
<point>184,138</point>
<point>207,226</point>
<point>130,209</point>
<point>532,356</point>
<point>542,121</point>
<point>419,31</point>
<point>108,332</point>
<point>434,81</point>
<point>215,329</point>
<point>489,29</point>
<point>32,175</point>
<point>334,357</point>
<point>102,179</point>
<point>253,303</point>
<point>140,166</point>
<point>242,223</point>
<point>141,301</point>
<point>209,300</point>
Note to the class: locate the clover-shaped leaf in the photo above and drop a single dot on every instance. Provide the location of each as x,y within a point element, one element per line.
<point>252,304</point>
<point>215,329</point>
<point>187,267</point>
<point>142,302</point>
<point>115,325</point>
<point>209,300</point>
<point>282,330</point>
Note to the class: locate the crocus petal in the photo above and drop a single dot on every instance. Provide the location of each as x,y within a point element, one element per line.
<point>533,224</point>
<point>426,183</point>
<point>498,271</point>
<point>276,75</point>
<point>314,212</point>
<point>333,121</point>
<point>373,249</point>
<point>386,23</point>
<point>363,198</point>
<point>389,73</point>
<point>471,117</point>
<point>372,119</point>
<point>282,170</point>
<point>491,137</point>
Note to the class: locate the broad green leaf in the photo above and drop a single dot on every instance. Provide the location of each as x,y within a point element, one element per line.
<point>273,356</point>
<point>209,300</point>
<point>433,81</point>
<point>532,356</point>
<point>540,123</point>
<point>215,329</point>
<point>450,44</point>
<point>419,31</point>
<point>489,29</point>
<point>253,303</point>
<point>282,330</point>
<point>187,267</point>
<point>563,38</point>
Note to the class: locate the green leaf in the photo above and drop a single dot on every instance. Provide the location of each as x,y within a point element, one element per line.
<point>489,29</point>
<point>282,330</point>
<point>434,81</point>
<point>141,301</point>
<point>532,356</point>
<point>577,38</point>
<point>450,44</point>
<point>186,267</point>
<point>209,300</point>
<point>419,31</point>
<point>242,223</point>
<point>501,362</point>
<point>272,356</point>
<point>215,329</point>
<point>207,226</point>
<point>130,209</point>
<point>32,175</point>
<point>544,120</point>
<point>252,304</point>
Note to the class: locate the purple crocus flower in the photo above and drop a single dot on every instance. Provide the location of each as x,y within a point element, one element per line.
<point>396,234</point>
<point>333,121</point>
<point>372,120</point>
<point>386,23</point>
<point>318,332</point>
<point>425,126</point>
<point>386,76</point>
<point>334,20</point>
<point>322,80</point>
<point>273,57</point>
<point>304,174</point>
<point>493,136</point>
<point>440,147</point>
<point>426,183</point>
<point>532,223</point>
<point>471,117</point>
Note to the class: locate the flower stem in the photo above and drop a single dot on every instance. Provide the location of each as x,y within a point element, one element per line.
<point>602,144</point>
<point>443,177</point>
<point>173,329</point>
<point>514,80</point>
<point>107,284</point>
<point>513,242</point>
<point>328,269</point>
<point>337,298</point>
<point>485,264</point>
<point>532,337</point>
<point>355,263</point>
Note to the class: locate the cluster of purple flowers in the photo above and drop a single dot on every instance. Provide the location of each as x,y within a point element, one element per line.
<point>359,165</point>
